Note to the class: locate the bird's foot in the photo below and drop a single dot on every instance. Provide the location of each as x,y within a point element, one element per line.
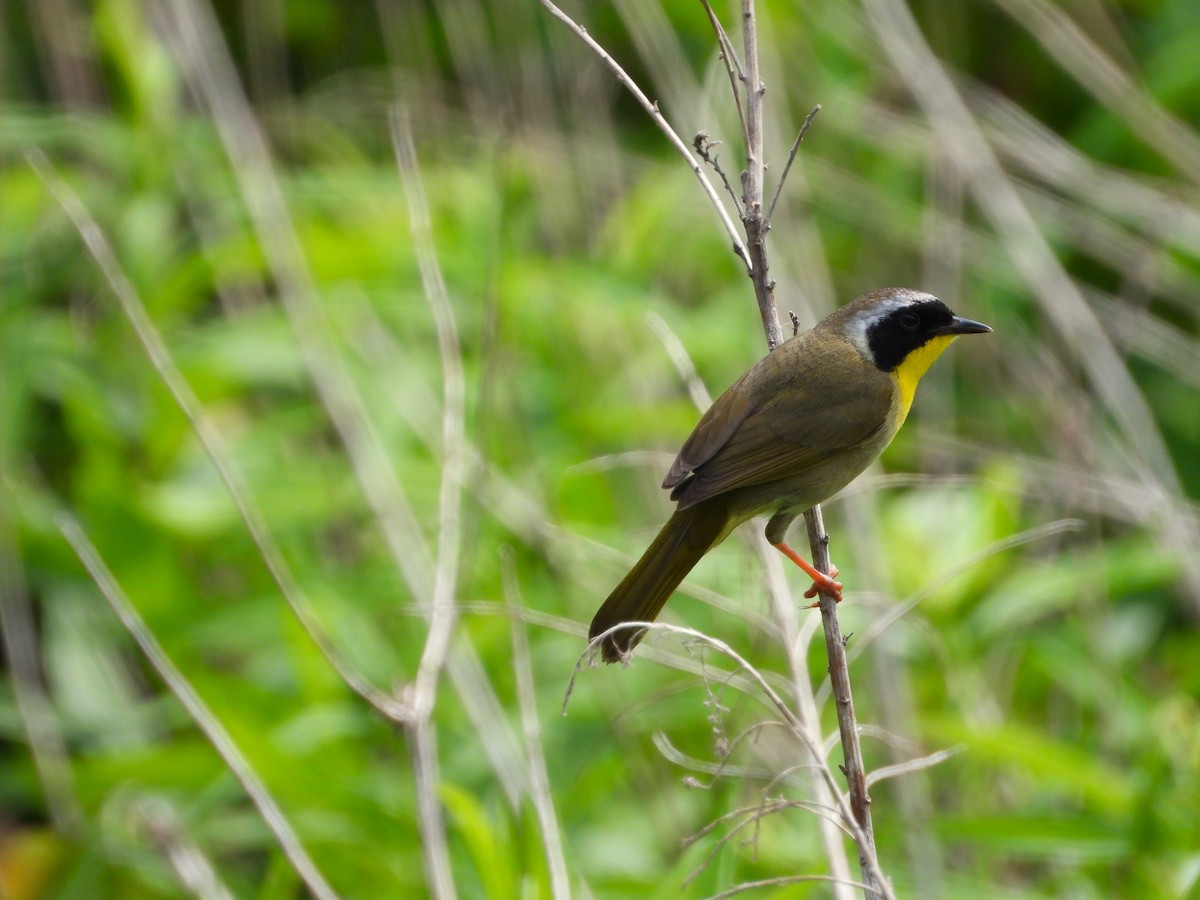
<point>822,583</point>
<point>825,585</point>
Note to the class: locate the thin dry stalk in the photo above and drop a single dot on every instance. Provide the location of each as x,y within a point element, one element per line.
<point>535,753</point>
<point>656,115</point>
<point>211,74</point>
<point>443,613</point>
<point>18,632</point>
<point>797,727</point>
<point>454,446</point>
<point>796,638</point>
<point>839,680</point>
<point>754,217</point>
<point>733,65</point>
<point>208,723</point>
<point>517,509</point>
<point>786,879</point>
<point>210,436</point>
<point>914,765</point>
<point>756,224</point>
<point>195,871</point>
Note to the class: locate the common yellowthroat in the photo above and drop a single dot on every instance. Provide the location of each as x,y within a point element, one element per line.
<point>790,433</point>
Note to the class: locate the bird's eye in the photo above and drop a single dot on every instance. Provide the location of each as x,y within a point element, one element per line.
<point>909,320</point>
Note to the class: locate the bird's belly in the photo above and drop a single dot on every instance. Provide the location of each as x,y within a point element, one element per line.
<point>818,483</point>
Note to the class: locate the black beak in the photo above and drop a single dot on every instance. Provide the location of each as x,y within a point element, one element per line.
<point>959,325</point>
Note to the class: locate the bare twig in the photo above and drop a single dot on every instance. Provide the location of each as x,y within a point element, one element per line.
<point>454,451</point>
<point>798,728</point>
<point>784,879</point>
<point>733,65</point>
<point>196,874</point>
<point>754,219</point>
<point>914,765</point>
<point>652,110</point>
<point>678,354</point>
<point>208,723</point>
<point>535,755</point>
<point>442,610</point>
<point>196,39</point>
<point>808,120</point>
<point>705,149</point>
<point>757,225</point>
<point>839,680</point>
<point>208,433</point>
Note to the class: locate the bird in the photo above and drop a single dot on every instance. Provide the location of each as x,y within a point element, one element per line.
<point>794,430</point>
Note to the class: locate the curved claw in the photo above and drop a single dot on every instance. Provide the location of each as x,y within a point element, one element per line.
<point>825,585</point>
<point>822,583</point>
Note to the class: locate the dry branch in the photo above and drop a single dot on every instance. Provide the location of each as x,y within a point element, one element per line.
<point>208,723</point>
<point>756,223</point>
<point>660,120</point>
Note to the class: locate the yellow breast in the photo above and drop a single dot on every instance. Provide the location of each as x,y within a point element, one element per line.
<point>908,373</point>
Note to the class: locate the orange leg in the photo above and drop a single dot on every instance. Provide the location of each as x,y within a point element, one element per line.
<point>822,583</point>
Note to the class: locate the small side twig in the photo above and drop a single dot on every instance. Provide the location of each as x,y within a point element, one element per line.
<point>660,120</point>
<point>733,65</point>
<point>782,880</point>
<point>914,765</point>
<point>808,120</point>
<point>870,864</point>
<point>705,150</point>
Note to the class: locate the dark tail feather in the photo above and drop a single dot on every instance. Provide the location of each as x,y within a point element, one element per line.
<point>642,593</point>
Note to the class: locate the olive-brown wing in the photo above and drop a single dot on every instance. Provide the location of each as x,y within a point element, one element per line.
<point>798,418</point>
<point>718,424</point>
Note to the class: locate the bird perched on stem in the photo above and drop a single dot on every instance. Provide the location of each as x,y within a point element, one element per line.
<point>790,433</point>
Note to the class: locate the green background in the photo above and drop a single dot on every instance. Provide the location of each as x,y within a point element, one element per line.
<point>1047,549</point>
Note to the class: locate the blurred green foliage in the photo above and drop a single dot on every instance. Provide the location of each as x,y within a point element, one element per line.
<point>1065,663</point>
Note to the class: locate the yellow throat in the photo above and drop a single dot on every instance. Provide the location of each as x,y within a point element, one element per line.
<point>908,373</point>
